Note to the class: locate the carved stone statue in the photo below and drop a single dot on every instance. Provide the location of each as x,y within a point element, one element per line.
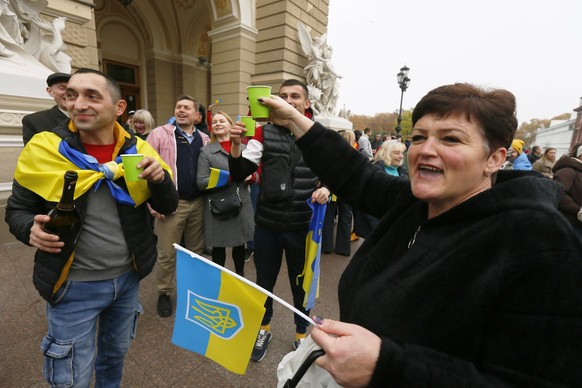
<point>23,32</point>
<point>320,74</point>
<point>344,113</point>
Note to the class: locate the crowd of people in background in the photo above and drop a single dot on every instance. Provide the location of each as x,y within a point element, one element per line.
<point>389,153</point>
<point>272,220</point>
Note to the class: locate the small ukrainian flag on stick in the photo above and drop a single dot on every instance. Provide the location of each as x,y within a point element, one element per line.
<point>218,313</point>
<point>218,178</point>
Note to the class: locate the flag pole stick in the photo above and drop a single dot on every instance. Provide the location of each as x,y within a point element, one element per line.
<point>242,279</point>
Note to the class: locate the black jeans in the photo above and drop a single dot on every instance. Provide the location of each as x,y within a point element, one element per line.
<point>269,248</point>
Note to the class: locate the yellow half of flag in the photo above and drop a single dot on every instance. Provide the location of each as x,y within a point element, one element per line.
<point>217,315</point>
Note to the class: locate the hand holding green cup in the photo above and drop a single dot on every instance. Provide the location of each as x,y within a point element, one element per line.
<point>250,125</point>
<point>258,110</point>
<point>130,162</point>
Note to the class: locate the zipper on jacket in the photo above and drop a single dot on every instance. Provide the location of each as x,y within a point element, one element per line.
<point>413,239</point>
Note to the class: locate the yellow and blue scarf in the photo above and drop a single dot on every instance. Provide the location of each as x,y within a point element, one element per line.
<point>45,159</point>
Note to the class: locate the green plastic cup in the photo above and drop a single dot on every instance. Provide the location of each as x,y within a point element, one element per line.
<point>130,162</point>
<point>258,110</point>
<point>250,125</point>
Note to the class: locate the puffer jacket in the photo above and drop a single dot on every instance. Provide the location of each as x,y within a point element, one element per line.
<point>568,172</point>
<point>288,209</point>
<point>51,269</point>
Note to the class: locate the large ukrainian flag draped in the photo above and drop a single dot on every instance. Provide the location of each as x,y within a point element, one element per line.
<point>217,315</point>
<point>43,162</point>
<point>312,255</point>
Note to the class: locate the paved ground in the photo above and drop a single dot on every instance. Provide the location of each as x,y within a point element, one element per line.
<point>153,361</point>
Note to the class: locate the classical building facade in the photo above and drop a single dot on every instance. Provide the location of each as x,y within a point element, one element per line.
<point>159,49</point>
<point>211,49</point>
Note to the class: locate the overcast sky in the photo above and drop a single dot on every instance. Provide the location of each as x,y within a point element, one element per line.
<point>532,48</point>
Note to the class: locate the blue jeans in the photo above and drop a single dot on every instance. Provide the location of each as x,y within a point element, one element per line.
<point>269,248</point>
<point>70,345</point>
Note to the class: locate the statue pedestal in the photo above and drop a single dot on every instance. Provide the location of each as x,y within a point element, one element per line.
<point>334,122</point>
<point>23,76</point>
<point>22,91</point>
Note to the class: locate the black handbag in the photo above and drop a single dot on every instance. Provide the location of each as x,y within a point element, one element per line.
<point>225,203</point>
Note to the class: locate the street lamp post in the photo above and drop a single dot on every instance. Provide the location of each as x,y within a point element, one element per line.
<point>403,82</point>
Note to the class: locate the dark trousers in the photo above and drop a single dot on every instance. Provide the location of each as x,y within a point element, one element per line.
<point>238,256</point>
<point>255,192</point>
<point>269,247</point>
<point>344,228</point>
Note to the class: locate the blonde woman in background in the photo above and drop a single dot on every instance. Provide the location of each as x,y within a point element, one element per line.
<point>143,123</point>
<point>350,137</point>
<point>390,158</point>
<point>224,233</point>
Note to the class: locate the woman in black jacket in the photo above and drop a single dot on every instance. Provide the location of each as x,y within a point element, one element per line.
<point>445,291</point>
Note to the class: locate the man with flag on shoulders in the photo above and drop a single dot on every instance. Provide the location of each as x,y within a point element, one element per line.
<point>95,281</point>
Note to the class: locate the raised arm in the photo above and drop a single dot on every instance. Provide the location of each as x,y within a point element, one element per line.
<point>284,114</point>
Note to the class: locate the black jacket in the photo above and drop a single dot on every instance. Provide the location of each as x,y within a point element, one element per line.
<point>568,172</point>
<point>286,181</point>
<point>459,300</point>
<point>24,204</point>
<point>45,120</point>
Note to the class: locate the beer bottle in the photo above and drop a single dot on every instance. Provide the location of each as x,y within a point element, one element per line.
<point>65,221</point>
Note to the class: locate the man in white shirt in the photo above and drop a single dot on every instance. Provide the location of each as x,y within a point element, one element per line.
<point>364,144</point>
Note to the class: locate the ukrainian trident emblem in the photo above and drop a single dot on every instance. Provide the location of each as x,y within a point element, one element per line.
<point>221,319</point>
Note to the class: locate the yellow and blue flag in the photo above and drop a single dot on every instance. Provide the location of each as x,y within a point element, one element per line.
<point>44,160</point>
<point>217,315</point>
<point>218,178</point>
<point>312,254</point>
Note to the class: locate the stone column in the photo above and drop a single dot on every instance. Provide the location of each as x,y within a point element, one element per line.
<point>233,65</point>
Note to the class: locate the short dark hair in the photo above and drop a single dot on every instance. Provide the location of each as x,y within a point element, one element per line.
<point>112,85</point>
<point>493,110</point>
<point>293,82</point>
<point>189,98</point>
